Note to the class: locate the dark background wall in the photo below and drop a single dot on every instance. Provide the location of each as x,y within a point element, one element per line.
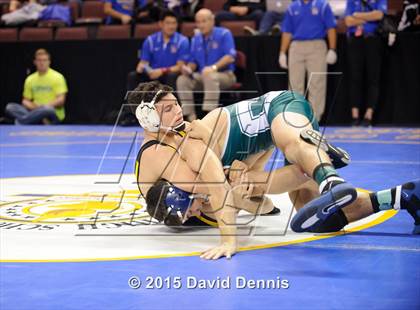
<point>96,75</point>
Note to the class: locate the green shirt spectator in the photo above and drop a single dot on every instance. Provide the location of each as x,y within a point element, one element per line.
<point>44,95</point>
<point>44,89</point>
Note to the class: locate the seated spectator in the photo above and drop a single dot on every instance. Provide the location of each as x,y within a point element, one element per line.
<point>21,14</point>
<point>35,10</point>
<point>44,95</point>
<point>148,11</point>
<point>211,66</point>
<point>185,9</point>
<point>242,10</point>
<point>121,11</point>
<point>15,4</point>
<point>272,18</point>
<point>162,55</point>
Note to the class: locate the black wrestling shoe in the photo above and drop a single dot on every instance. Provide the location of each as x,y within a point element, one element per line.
<point>275,211</point>
<point>410,197</point>
<point>339,157</point>
<point>318,210</point>
<point>262,199</point>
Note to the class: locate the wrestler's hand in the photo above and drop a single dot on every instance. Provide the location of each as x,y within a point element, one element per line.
<point>241,191</point>
<point>242,185</point>
<point>225,249</point>
<point>237,172</point>
<point>198,130</point>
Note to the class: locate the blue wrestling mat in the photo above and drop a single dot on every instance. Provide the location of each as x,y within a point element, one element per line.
<point>73,234</point>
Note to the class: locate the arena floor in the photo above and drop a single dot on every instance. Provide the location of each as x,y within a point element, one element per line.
<point>73,233</point>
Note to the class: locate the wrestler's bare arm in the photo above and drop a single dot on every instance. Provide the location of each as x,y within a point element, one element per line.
<point>199,129</point>
<point>202,159</point>
<point>163,162</point>
<point>197,166</point>
<point>197,170</point>
<point>277,181</point>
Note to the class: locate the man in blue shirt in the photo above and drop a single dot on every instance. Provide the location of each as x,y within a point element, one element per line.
<point>162,55</point>
<point>211,66</point>
<point>120,11</point>
<point>305,26</point>
<point>364,55</point>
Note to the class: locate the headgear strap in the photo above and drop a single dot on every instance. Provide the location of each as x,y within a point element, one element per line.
<point>147,115</point>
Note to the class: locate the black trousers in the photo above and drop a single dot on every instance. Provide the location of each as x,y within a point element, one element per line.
<point>364,66</point>
<point>134,78</point>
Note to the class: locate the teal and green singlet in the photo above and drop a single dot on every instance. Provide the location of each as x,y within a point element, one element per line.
<point>249,122</point>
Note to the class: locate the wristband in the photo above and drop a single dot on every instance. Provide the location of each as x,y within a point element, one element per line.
<point>164,70</point>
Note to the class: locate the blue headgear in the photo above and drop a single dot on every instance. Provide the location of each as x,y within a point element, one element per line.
<point>172,201</point>
<point>178,201</point>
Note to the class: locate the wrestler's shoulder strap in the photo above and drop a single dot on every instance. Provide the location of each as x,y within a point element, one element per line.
<point>142,149</point>
<point>145,147</point>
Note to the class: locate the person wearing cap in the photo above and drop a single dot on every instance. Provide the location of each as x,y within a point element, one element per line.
<point>211,66</point>
<point>305,26</point>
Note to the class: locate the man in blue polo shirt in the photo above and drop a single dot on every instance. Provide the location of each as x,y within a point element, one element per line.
<point>121,11</point>
<point>211,66</point>
<point>305,26</point>
<point>162,55</point>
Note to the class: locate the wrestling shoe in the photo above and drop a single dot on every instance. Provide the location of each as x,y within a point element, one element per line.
<point>410,199</point>
<point>319,209</point>
<point>275,211</point>
<point>265,200</point>
<point>339,157</point>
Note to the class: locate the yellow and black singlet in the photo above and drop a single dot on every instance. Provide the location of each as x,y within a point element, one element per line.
<point>194,221</point>
<point>201,220</point>
<point>143,148</point>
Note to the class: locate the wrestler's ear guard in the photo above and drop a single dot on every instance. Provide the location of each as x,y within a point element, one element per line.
<point>147,115</point>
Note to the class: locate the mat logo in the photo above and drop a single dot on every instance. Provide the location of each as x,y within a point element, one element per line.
<point>83,212</point>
